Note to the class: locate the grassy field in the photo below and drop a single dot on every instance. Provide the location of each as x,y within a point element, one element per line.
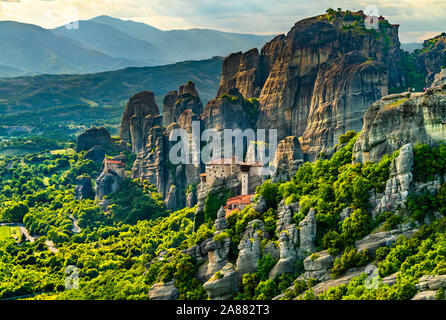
<point>7,232</point>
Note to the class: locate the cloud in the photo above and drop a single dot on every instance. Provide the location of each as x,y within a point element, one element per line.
<point>249,16</point>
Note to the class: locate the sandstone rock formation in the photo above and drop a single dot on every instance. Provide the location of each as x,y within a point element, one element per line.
<point>242,71</point>
<point>288,240</point>
<point>142,126</point>
<point>399,184</point>
<point>191,199</point>
<point>175,103</point>
<point>431,61</point>
<point>171,199</point>
<point>229,112</point>
<point>249,248</point>
<point>439,79</point>
<point>96,154</point>
<point>108,180</point>
<point>341,96</point>
<point>425,295</point>
<point>315,82</point>
<point>163,291</point>
<point>107,183</point>
<point>220,223</point>
<point>308,233</point>
<point>317,265</point>
<point>272,250</point>
<point>84,188</point>
<point>431,282</point>
<point>94,137</point>
<point>217,258</point>
<point>288,159</point>
<point>428,286</point>
<point>134,127</point>
<point>399,119</point>
<point>223,284</point>
<point>260,206</point>
<point>383,239</point>
<point>149,164</point>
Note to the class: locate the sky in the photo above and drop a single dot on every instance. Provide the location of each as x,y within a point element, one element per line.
<point>418,19</point>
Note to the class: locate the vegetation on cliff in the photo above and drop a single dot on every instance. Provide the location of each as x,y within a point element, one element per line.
<point>116,250</point>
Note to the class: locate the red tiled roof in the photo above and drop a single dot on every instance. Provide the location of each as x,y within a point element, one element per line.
<point>246,199</point>
<point>116,162</point>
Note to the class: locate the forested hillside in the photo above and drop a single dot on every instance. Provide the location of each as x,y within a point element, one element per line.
<point>118,250</point>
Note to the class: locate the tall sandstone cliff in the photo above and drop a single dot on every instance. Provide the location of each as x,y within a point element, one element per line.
<point>316,82</point>
<point>399,119</point>
<point>432,57</point>
<point>148,133</point>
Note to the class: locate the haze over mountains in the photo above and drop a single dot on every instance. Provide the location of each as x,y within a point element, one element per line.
<point>105,43</point>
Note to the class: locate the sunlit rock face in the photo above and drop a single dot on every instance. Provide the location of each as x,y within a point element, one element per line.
<point>316,82</point>
<point>399,119</point>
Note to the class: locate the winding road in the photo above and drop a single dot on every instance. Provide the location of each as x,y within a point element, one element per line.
<point>50,244</point>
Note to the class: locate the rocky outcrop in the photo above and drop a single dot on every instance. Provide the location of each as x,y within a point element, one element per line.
<point>84,188</point>
<point>107,183</point>
<point>191,199</point>
<point>425,295</point>
<point>217,257</point>
<point>383,239</point>
<point>171,199</point>
<point>163,291</point>
<point>439,79</point>
<point>175,103</point>
<point>308,233</point>
<point>433,58</point>
<point>260,205</point>
<point>272,249</point>
<point>345,279</point>
<point>244,72</point>
<point>399,119</point>
<point>399,184</point>
<point>220,223</point>
<point>288,159</point>
<point>428,286</point>
<point>169,108</point>
<point>315,82</point>
<point>342,93</point>
<point>288,240</point>
<point>431,282</point>
<point>94,137</point>
<point>223,284</point>
<point>134,126</point>
<point>149,164</point>
<point>109,178</point>
<point>249,248</point>
<point>149,134</point>
<point>229,112</point>
<point>317,266</point>
<point>96,154</point>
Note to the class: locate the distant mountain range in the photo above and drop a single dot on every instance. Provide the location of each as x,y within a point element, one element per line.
<point>105,44</point>
<point>104,89</point>
<point>60,105</point>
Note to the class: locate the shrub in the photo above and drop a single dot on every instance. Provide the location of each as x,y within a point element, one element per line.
<point>350,259</point>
